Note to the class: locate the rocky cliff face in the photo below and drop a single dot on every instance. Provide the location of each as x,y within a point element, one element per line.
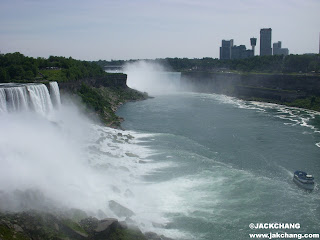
<point>269,87</point>
<point>103,95</point>
<point>116,80</point>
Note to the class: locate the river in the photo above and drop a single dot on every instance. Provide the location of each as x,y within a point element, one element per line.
<point>227,163</point>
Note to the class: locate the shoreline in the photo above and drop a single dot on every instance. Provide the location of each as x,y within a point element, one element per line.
<point>301,91</point>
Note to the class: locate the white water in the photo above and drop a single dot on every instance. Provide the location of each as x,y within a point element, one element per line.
<point>3,101</point>
<point>55,159</point>
<point>40,100</point>
<point>16,99</point>
<point>55,94</point>
<point>28,97</point>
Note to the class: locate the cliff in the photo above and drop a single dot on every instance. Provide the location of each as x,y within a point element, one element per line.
<point>115,80</point>
<point>103,95</point>
<point>279,88</point>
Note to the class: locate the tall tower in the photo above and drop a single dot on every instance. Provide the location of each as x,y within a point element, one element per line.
<point>265,42</point>
<point>253,42</point>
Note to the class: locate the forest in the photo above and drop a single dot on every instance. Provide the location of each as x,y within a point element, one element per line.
<point>306,63</point>
<point>17,67</point>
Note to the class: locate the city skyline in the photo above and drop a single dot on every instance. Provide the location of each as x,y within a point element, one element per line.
<point>144,29</point>
<point>229,50</point>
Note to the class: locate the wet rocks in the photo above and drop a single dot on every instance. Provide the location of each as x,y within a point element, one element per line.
<point>34,225</point>
<point>120,210</point>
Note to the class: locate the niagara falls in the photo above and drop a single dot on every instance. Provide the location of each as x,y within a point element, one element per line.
<point>159,120</point>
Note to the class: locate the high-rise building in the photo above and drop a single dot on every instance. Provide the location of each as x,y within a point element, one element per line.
<point>265,42</point>
<point>225,49</point>
<point>277,50</point>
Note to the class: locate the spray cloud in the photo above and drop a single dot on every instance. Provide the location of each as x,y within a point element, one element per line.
<point>62,160</point>
<point>152,78</point>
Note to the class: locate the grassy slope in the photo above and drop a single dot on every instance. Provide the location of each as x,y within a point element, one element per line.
<point>105,101</point>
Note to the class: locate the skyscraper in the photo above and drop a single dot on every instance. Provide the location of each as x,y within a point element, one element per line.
<point>225,49</point>
<point>265,42</point>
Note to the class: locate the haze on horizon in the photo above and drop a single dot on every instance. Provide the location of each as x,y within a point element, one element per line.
<point>148,29</point>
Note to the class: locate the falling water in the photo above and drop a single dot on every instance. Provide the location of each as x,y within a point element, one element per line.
<point>3,101</point>
<point>55,94</point>
<point>25,97</point>
<point>40,100</point>
<point>16,98</point>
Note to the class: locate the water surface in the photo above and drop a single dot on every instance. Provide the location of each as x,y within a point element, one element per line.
<point>228,163</point>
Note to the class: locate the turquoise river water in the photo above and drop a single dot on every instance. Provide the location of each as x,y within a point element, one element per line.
<point>226,163</point>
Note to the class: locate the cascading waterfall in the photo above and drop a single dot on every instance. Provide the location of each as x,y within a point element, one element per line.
<point>55,94</point>
<point>16,98</point>
<point>3,101</point>
<point>24,97</point>
<point>39,99</point>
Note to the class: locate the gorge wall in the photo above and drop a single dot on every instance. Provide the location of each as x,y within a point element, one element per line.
<point>115,80</point>
<point>103,95</point>
<point>270,87</point>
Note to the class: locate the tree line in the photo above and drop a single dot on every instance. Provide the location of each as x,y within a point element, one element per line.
<point>305,63</point>
<point>17,67</point>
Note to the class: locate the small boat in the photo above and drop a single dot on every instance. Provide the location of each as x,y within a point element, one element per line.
<point>303,180</point>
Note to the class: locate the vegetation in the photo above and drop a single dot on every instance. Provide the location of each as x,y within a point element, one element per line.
<point>312,103</point>
<point>94,100</point>
<point>104,101</point>
<point>267,64</point>
<point>17,67</point>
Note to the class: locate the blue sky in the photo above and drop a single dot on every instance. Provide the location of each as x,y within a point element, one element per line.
<point>140,29</point>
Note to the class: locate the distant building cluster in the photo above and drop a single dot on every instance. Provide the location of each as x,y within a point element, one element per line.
<point>230,51</point>
<point>277,50</point>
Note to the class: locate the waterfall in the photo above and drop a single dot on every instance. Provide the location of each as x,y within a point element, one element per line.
<point>40,100</point>
<point>16,98</point>
<point>3,101</point>
<point>55,94</point>
<point>26,97</point>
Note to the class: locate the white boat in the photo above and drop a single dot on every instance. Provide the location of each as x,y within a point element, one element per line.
<point>303,180</point>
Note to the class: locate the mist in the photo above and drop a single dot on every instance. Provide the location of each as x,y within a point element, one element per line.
<point>63,160</point>
<point>152,78</point>
<point>41,155</point>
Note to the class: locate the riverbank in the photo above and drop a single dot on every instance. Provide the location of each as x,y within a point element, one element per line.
<point>300,90</point>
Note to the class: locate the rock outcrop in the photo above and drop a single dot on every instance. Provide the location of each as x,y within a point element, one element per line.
<point>41,225</point>
<point>111,80</point>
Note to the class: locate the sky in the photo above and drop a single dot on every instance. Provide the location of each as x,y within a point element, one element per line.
<point>149,29</point>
